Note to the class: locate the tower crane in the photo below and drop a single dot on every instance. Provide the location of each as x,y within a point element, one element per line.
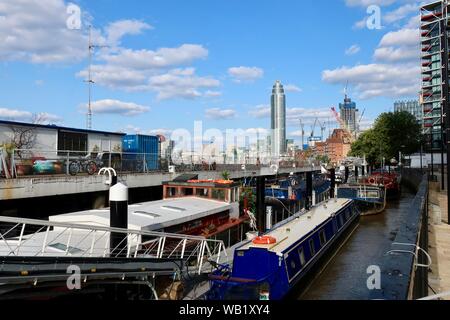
<point>323,128</point>
<point>302,127</point>
<point>343,125</point>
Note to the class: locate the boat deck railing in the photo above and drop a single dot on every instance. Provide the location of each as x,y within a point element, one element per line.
<point>34,240</point>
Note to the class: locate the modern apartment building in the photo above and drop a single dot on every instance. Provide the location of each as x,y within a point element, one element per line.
<point>435,60</point>
<point>411,106</point>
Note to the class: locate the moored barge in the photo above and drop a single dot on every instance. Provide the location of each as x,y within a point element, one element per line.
<point>270,266</point>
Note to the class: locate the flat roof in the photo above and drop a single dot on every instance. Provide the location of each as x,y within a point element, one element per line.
<point>55,127</point>
<point>289,233</point>
<point>151,216</point>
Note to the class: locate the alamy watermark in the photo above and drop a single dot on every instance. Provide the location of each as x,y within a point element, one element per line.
<point>73,21</point>
<point>373,21</point>
<point>374,279</point>
<point>74,280</point>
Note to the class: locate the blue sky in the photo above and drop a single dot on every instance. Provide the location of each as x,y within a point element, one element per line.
<point>170,63</point>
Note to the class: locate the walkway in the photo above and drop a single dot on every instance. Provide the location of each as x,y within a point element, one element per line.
<point>439,243</point>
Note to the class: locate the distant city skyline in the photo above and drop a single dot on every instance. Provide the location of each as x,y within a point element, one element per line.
<point>159,66</point>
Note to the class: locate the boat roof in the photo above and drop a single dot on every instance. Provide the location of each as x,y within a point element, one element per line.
<point>151,216</point>
<point>290,232</point>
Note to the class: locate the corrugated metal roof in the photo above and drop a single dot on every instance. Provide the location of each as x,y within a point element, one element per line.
<point>55,127</point>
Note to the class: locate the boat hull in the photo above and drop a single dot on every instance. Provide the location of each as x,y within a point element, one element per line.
<point>262,273</point>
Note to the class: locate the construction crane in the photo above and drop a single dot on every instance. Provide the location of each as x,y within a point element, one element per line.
<point>360,119</point>
<point>323,128</point>
<point>350,136</point>
<point>302,126</point>
<point>313,128</point>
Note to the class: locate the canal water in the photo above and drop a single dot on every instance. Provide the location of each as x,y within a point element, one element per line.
<point>345,276</point>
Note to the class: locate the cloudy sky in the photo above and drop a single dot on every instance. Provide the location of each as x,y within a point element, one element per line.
<point>161,65</point>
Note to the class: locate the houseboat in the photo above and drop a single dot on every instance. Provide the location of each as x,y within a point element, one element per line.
<point>370,199</point>
<point>271,265</point>
<point>206,208</point>
<point>390,180</point>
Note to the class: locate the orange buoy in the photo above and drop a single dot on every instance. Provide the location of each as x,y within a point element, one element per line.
<point>264,240</point>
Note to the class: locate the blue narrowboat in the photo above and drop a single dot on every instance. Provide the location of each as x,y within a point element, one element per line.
<point>270,266</point>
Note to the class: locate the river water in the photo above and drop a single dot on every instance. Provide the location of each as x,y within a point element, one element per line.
<point>345,277</point>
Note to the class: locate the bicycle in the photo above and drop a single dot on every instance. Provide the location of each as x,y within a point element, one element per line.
<point>84,165</point>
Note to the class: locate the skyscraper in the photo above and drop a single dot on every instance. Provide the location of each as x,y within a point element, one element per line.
<point>278,117</point>
<point>349,114</point>
<point>435,64</point>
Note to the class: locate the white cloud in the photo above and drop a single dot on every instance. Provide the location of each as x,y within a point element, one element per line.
<point>293,115</point>
<point>261,111</point>
<point>361,24</point>
<point>378,80</point>
<point>245,74</point>
<point>400,45</point>
<point>220,114</point>
<point>110,106</point>
<point>400,13</point>
<point>161,131</point>
<point>407,37</point>
<point>178,84</point>
<point>36,31</point>
<point>212,94</point>
<point>27,116</point>
<point>118,29</point>
<point>161,58</point>
<point>292,88</point>
<point>354,49</point>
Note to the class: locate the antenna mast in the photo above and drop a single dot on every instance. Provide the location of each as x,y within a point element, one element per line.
<point>90,82</point>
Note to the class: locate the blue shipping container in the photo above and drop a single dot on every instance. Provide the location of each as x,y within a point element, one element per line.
<point>138,147</point>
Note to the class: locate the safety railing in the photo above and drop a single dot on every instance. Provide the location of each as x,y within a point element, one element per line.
<point>35,238</point>
<point>31,162</point>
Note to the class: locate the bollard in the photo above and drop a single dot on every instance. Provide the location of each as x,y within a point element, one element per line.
<point>260,203</point>
<point>118,202</point>
<point>268,218</point>
<point>309,190</point>
<point>333,182</point>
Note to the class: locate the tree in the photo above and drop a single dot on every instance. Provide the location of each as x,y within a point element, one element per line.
<point>392,133</point>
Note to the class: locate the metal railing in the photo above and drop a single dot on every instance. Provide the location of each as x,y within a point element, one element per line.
<point>35,238</point>
<point>31,162</point>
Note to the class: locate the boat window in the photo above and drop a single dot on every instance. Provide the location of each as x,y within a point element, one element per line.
<point>63,247</point>
<point>171,192</point>
<point>172,208</point>
<point>312,248</point>
<point>145,213</point>
<point>188,191</point>
<point>204,193</point>
<point>341,221</point>
<point>293,265</point>
<point>218,194</point>
<point>301,254</point>
<point>322,237</point>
